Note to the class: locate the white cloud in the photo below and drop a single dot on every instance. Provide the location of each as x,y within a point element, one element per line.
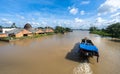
<point>78,20</point>
<point>73,11</point>
<point>115,15</point>
<point>100,20</point>
<point>33,19</point>
<point>98,14</point>
<point>100,23</point>
<point>109,6</point>
<point>34,24</point>
<point>6,21</point>
<point>81,23</point>
<point>20,16</point>
<point>85,2</point>
<point>82,12</point>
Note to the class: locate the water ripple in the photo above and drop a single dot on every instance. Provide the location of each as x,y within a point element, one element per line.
<point>82,68</point>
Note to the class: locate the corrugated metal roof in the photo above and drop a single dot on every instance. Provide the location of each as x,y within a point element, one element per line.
<point>14,31</point>
<point>32,30</point>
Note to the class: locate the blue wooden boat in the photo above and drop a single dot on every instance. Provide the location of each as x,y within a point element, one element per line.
<point>88,50</point>
<point>88,47</point>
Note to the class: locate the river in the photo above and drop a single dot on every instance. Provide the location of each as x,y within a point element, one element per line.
<point>56,54</point>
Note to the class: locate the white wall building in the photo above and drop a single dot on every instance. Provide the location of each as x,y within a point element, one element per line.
<point>4,30</point>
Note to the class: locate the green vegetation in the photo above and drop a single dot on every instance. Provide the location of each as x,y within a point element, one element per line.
<point>48,27</point>
<point>62,30</point>
<point>112,30</point>
<point>50,33</point>
<point>1,26</point>
<point>40,27</point>
<point>13,25</point>
<point>27,26</point>
<point>101,32</point>
<point>5,38</point>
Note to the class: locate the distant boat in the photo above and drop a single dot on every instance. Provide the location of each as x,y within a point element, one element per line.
<point>88,50</point>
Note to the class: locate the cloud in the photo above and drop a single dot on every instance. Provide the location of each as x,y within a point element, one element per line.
<point>82,12</point>
<point>84,2</point>
<point>78,20</point>
<point>100,20</point>
<point>109,6</point>
<point>20,16</point>
<point>33,19</point>
<point>6,21</point>
<point>73,11</point>
<point>34,24</point>
<point>115,15</point>
<point>100,23</point>
<point>81,23</point>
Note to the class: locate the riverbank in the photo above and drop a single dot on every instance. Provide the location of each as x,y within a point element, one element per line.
<point>110,31</point>
<point>104,34</point>
<point>100,33</point>
<point>9,39</point>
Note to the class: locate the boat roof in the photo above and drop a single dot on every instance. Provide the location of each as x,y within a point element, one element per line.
<point>88,47</point>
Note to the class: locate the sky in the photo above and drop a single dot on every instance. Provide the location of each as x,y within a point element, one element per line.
<point>77,14</point>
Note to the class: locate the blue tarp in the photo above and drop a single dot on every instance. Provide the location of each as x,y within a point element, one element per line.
<point>88,47</point>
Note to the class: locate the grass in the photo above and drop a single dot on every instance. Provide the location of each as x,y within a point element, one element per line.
<point>100,33</point>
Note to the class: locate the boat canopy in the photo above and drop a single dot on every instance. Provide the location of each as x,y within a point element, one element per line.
<point>88,47</point>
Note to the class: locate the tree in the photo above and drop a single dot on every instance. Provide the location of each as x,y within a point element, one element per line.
<point>1,27</point>
<point>13,25</point>
<point>114,30</point>
<point>93,29</point>
<point>27,26</point>
<point>48,27</point>
<point>68,29</point>
<point>40,28</point>
<point>59,29</point>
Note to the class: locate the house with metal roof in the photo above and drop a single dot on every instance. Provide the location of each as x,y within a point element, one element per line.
<point>39,31</point>
<point>15,33</point>
<point>36,31</point>
<point>18,33</point>
<point>48,30</point>
<point>3,35</point>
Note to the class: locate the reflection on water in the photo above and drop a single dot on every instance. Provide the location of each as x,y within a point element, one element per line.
<point>74,55</point>
<point>51,55</point>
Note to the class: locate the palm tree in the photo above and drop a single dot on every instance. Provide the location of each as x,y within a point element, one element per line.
<point>13,25</point>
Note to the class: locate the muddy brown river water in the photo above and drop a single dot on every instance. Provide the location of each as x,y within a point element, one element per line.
<point>56,54</point>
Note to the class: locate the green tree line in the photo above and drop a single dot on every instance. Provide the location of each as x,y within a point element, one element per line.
<point>112,30</point>
<point>60,29</point>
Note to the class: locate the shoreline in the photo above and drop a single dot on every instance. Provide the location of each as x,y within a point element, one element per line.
<point>10,39</point>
